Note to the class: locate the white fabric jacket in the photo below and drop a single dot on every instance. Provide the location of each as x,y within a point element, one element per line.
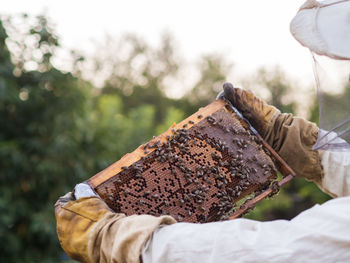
<point>319,234</point>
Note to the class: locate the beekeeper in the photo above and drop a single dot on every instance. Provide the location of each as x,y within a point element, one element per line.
<point>90,232</point>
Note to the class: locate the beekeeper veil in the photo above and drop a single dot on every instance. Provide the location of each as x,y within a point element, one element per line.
<point>324,28</point>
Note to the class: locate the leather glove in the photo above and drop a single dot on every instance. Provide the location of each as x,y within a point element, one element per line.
<point>291,137</point>
<point>76,217</point>
<point>256,111</point>
<point>89,231</point>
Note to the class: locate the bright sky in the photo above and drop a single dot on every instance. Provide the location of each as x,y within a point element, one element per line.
<point>252,33</point>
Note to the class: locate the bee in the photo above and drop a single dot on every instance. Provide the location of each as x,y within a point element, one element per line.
<point>110,197</point>
<point>220,184</point>
<point>211,120</point>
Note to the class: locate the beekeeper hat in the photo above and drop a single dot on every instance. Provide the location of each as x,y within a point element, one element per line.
<point>324,27</point>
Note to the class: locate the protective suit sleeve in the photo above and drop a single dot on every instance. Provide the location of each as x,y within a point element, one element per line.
<point>336,166</point>
<point>320,234</point>
<point>117,238</point>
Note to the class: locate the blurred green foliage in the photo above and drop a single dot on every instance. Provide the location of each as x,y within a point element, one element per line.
<point>58,129</point>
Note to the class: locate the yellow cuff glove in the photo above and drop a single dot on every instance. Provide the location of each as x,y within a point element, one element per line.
<point>291,137</point>
<point>256,111</point>
<point>74,222</point>
<point>89,232</point>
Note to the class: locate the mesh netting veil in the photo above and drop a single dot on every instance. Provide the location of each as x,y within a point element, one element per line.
<point>333,91</point>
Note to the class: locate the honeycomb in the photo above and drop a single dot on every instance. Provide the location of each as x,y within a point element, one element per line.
<point>198,171</point>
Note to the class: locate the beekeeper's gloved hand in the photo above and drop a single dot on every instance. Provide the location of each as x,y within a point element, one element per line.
<point>290,136</point>
<point>75,218</point>
<point>89,231</point>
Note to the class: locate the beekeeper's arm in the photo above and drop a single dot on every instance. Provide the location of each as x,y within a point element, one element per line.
<point>89,231</point>
<point>293,138</point>
<point>319,234</point>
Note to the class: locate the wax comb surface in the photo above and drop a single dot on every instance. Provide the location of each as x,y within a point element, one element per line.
<point>198,171</point>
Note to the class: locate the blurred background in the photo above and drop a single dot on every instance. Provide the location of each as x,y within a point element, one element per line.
<point>82,84</point>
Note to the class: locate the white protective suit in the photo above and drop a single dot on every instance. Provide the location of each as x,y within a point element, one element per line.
<point>319,234</point>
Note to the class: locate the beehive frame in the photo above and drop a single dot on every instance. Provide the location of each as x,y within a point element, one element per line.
<point>189,187</point>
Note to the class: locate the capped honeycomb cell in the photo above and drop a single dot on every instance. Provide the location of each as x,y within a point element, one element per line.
<point>198,171</point>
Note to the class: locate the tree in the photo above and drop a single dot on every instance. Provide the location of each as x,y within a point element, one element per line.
<point>213,70</point>
<point>274,86</point>
<point>137,72</point>
<point>39,143</point>
<point>55,133</point>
